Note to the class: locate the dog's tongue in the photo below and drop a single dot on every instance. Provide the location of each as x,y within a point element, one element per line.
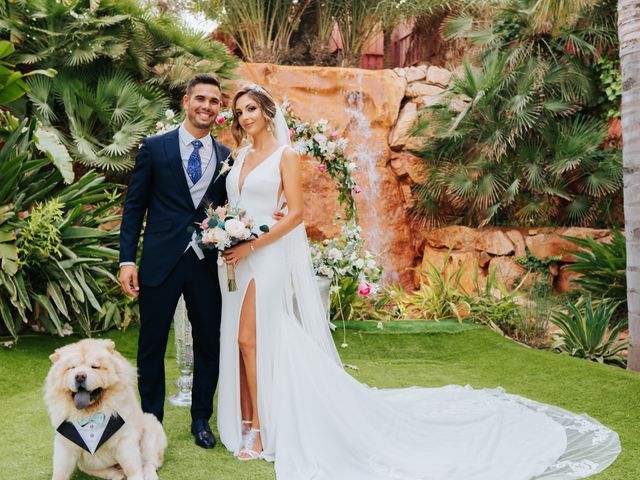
<point>82,399</point>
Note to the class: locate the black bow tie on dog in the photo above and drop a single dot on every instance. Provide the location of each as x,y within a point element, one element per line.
<point>71,433</point>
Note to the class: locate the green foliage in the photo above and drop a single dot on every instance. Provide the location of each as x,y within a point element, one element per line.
<point>610,91</point>
<point>57,243</point>
<point>442,297</point>
<point>495,307</point>
<point>589,333</point>
<point>513,141</point>
<point>278,30</point>
<point>261,30</point>
<point>539,266</point>
<point>12,84</point>
<point>106,121</point>
<point>603,267</point>
<point>119,67</point>
<point>40,237</point>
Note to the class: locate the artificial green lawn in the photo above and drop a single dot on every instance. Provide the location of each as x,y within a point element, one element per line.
<point>432,357</point>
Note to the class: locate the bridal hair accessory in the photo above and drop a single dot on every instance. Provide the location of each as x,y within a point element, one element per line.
<point>257,88</point>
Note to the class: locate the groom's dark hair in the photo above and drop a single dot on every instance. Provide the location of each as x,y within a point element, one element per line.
<point>202,78</point>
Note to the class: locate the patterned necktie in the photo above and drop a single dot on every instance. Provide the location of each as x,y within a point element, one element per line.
<point>194,167</point>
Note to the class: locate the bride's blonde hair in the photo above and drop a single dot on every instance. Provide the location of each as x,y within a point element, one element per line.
<point>263,99</point>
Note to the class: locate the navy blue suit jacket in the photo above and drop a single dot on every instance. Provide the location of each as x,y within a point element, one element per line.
<point>159,188</point>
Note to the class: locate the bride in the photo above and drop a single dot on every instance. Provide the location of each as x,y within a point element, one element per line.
<point>284,396</point>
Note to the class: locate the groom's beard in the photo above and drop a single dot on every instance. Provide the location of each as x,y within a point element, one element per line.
<point>201,125</point>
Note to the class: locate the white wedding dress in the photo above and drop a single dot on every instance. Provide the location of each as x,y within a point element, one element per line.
<point>319,423</point>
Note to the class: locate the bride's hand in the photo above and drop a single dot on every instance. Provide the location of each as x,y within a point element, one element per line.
<point>234,254</point>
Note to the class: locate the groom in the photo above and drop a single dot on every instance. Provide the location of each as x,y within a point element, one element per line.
<point>173,179</point>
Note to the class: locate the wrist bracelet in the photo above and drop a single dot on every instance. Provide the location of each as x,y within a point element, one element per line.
<point>251,247</point>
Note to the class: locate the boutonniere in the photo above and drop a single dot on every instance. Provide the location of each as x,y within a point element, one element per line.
<point>224,168</point>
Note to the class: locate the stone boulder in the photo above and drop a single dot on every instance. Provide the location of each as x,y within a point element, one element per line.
<point>549,243</point>
<point>400,134</point>
<point>495,242</point>
<point>565,282</point>
<point>422,90</point>
<point>517,239</point>
<point>415,74</point>
<point>438,76</point>
<point>508,272</point>
<point>454,237</point>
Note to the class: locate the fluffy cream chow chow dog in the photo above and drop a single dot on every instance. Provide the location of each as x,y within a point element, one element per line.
<point>90,392</point>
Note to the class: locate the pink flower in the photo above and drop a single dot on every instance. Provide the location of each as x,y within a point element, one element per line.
<point>364,289</point>
<point>221,212</point>
<point>322,167</point>
<point>292,132</point>
<point>335,134</point>
<point>357,189</point>
<point>205,223</point>
<point>220,119</point>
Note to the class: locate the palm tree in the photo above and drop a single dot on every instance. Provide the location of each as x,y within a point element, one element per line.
<point>119,66</point>
<point>628,28</point>
<point>515,139</point>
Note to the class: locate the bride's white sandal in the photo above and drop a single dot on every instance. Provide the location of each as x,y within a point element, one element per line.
<point>249,442</point>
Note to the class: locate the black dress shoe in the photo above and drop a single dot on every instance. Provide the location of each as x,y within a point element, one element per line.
<point>204,436</point>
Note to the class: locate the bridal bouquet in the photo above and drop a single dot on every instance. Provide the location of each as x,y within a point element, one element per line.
<point>223,228</point>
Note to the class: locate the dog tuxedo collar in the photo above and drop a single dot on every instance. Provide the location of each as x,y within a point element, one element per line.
<point>92,432</point>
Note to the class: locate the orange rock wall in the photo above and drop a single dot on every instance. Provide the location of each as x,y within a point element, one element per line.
<point>363,105</point>
<point>477,251</point>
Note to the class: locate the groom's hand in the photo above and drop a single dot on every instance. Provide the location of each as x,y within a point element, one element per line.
<point>128,277</point>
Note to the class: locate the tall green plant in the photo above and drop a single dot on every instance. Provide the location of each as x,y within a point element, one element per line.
<point>602,267</point>
<point>104,121</point>
<point>513,140</point>
<point>588,332</point>
<point>119,66</point>
<point>261,30</point>
<point>58,243</point>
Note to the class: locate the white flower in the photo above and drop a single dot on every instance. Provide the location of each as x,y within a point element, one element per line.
<point>159,126</point>
<point>322,125</point>
<point>351,166</point>
<point>359,263</point>
<point>169,114</point>
<point>344,345</point>
<point>218,236</point>
<point>371,264</point>
<point>300,147</point>
<point>67,329</point>
<point>321,139</point>
<point>379,326</point>
<point>334,288</point>
<point>235,228</point>
<point>334,254</point>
